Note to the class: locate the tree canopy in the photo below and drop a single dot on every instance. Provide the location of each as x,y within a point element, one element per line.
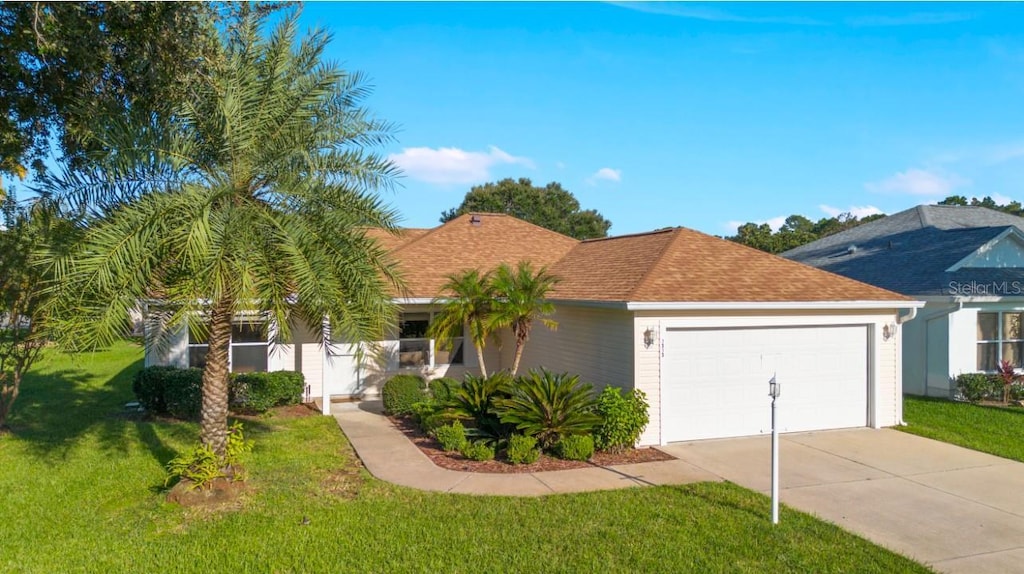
<point>1013,207</point>
<point>65,64</point>
<point>799,230</point>
<point>551,207</point>
<point>795,231</point>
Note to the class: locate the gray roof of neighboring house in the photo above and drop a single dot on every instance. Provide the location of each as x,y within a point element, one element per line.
<point>909,252</point>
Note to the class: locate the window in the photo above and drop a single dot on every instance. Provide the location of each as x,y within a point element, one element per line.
<point>248,349</point>
<point>1000,338</point>
<point>415,349</point>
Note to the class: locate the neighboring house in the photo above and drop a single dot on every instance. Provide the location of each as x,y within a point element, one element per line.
<point>698,323</point>
<point>966,263</point>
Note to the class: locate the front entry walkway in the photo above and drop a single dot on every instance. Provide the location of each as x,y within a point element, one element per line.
<point>390,456</point>
<point>956,509</point>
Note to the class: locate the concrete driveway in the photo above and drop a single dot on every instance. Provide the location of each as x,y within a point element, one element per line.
<point>956,509</point>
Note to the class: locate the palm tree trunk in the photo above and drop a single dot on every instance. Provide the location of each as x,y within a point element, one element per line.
<point>480,359</point>
<point>213,420</point>
<point>518,356</point>
<point>8,393</point>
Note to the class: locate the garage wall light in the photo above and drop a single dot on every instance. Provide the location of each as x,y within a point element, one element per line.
<point>888,331</point>
<point>648,337</point>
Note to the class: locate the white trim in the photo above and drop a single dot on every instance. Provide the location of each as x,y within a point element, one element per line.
<point>413,301</point>
<point>987,245</point>
<point>769,305</point>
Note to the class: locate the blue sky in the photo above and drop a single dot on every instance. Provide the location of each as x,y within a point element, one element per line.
<point>696,114</point>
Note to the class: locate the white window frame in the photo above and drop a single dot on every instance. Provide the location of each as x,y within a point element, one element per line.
<point>999,340</point>
<point>431,343</point>
<point>233,344</point>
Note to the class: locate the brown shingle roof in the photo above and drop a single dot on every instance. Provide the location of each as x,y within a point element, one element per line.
<point>683,265</point>
<point>474,241</point>
<point>392,241</point>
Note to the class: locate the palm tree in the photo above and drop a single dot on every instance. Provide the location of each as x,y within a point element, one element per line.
<point>522,299</point>
<point>469,300</point>
<point>252,201</point>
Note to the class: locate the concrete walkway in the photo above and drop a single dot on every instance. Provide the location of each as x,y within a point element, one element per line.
<point>390,456</point>
<point>955,509</point>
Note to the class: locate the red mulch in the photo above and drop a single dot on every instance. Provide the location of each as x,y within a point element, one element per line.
<point>455,461</point>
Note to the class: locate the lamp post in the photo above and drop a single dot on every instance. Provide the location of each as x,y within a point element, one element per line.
<point>773,392</point>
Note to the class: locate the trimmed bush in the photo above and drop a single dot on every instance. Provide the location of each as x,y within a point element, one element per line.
<point>522,449</point>
<point>976,387</point>
<point>575,447</point>
<point>477,451</point>
<point>148,386</point>
<point>170,391</point>
<point>452,437</point>
<point>443,389</point>
<point>183,393</point>
<point>623,419</point>
<point>549,406</point>
<point>401,392</point>
<point>259,392</point>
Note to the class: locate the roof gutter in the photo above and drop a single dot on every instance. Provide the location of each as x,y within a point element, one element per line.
<point>770,305</point>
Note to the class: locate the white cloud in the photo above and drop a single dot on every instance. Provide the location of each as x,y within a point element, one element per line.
<point>713,14</point>
<point>560,164</point>
<point>775,223</point>
<point>857,211</point>
<point>1001,199</point>
<point>605,173</point>
<point>915,19</point>
<point>454,165</point>
<point>918,182</point>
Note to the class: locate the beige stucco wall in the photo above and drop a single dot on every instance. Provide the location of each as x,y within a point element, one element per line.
<point>592,342</point>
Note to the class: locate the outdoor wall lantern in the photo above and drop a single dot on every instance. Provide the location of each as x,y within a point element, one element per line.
<point>648,338</point>
<point>888,331</point>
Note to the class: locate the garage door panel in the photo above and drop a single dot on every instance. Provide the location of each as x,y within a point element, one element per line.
<point>714,381</point>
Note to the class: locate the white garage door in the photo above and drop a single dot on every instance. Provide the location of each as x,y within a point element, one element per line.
<point>715,381</point>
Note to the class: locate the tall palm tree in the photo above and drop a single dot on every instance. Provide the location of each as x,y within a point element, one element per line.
<point>522,299</point>
<point>468,300</point>
<point>252,201</point>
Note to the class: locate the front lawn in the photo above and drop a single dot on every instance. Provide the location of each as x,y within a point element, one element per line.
<point>82,491</point>
<point>995,430</point>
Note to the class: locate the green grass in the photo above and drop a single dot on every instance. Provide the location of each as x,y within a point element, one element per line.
<point>82,492</point>
<point>995,430</point>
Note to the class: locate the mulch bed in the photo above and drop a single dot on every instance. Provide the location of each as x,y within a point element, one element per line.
<point>455,461</point>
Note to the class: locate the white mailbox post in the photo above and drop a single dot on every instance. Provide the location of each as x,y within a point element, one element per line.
<point>773,392</point>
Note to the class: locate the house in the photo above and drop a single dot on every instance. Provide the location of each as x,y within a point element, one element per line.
<point>698,323</point>
<point>965,263</point>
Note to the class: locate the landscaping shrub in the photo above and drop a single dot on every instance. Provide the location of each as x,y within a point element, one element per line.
<point>477,451</point>
<point>443,389</point>
<point>575,447</point>
<point>452,437</point>
<point>623,418</point>
<point>259,392</point>
<point>401,392</point>
<point>976,387</point>
<point>183,393</point>
<point>200,466</point>
<point>474,401</point>
<point>522,449</point>
<point>170,391</point>
<point>148,386</point>
<point>549,406</point>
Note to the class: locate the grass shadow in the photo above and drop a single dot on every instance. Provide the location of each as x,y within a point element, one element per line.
<point>70,397</point>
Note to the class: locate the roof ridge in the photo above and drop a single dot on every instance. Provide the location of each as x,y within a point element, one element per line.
<point>922,213</point>
<point>625,235</point>
<point>429,231</point>
<point>658,261</point>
